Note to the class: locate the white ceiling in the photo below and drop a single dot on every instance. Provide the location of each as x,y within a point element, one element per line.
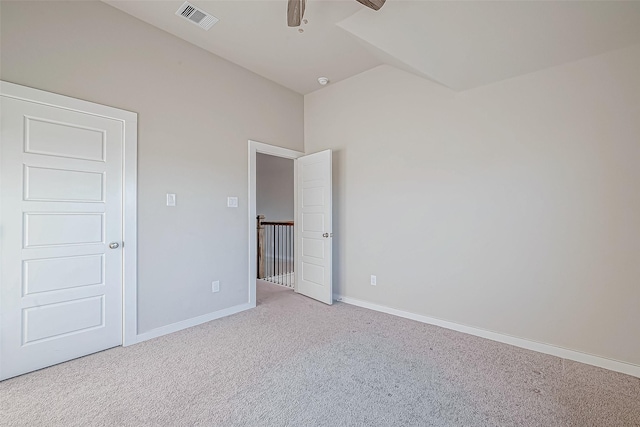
<point>459,44</point>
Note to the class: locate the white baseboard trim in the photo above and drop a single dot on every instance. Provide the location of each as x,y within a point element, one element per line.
<point>178,326</point>
<point>564,353</point>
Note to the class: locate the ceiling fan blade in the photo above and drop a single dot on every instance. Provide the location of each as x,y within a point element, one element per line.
<point>373,4</point>
<point>295,12</point>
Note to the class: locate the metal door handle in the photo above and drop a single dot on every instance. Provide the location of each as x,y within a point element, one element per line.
<point>114,245</point>
<point>327,235</point>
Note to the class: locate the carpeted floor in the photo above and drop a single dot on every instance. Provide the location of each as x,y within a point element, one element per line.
<point>295,362</point>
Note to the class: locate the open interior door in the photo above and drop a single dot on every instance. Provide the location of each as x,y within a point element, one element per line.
<point>313,223</point>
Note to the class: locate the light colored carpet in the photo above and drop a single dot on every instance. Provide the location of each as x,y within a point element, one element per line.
<point>295,362</point>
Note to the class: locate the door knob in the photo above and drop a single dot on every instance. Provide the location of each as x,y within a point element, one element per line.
<point>327,235</point>
<point>114,245</point>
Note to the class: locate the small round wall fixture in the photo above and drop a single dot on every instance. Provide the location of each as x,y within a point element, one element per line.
<point>323,81</point>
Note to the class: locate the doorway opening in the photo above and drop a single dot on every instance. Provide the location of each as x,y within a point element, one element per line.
<point>272,160</point>
<point>275,207</point>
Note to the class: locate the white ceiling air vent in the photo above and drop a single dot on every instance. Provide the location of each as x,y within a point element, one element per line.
<point>196,15</point>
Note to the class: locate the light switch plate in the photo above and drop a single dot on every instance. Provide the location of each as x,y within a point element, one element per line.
<point>171,199</point>
<point>232,202</point>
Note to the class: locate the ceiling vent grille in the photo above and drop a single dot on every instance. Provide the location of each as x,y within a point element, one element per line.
<point>196,15</point>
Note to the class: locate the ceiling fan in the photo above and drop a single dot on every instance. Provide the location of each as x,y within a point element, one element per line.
<point>295,9</point>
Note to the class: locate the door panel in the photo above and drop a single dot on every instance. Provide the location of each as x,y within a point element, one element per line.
<point>56,229</point>
<point>61,184</point>
<point>44,275</point>
<point>313,237</point>
<point>64,318</point>
<point>57,138</point>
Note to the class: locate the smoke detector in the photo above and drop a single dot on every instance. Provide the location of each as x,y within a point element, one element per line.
<point>196,16</point>
<point>323,81</point>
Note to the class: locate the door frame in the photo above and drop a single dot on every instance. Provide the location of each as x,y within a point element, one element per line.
<point>129,188</point>
<point>256,147</point>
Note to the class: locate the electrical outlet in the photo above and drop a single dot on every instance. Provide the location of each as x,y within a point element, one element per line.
<point>373,280</point>
<point>215,286</point>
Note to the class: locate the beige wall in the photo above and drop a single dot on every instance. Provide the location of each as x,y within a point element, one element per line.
<point>274,187</point>
<point>196,114</point>
<point>513,207</point>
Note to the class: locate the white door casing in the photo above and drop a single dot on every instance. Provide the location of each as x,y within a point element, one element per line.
<point>314,226</point>
<point>61,286</point>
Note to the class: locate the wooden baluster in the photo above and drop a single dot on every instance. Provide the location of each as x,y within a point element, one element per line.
<point>261,247</point>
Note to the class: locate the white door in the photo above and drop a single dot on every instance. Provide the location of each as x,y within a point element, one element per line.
<point>61,187</point>
<point>313,222</point>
